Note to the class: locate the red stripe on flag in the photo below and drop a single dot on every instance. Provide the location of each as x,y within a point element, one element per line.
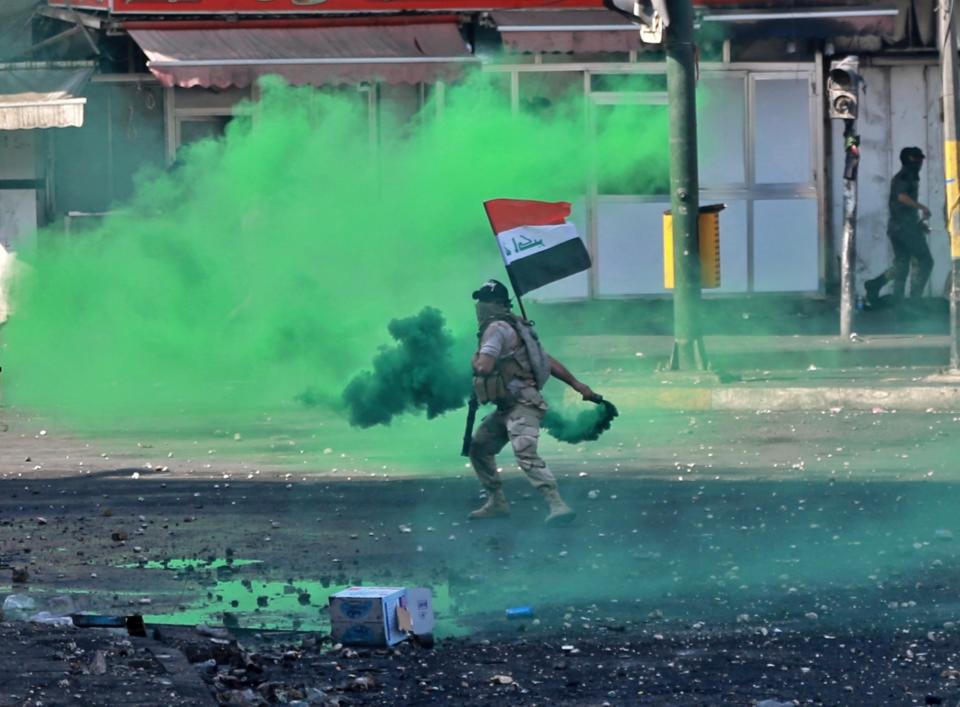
<point>505,214</point>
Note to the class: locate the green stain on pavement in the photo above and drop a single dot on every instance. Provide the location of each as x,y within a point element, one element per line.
<point>297,605</point>
<point>269,262</point>
<point>280,606</point>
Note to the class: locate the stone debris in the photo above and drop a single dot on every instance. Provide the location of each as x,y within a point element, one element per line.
<point>98,663</point>
<point>212,632</point>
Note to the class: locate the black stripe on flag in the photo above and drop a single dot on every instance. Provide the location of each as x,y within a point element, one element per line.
<point>548,265</point>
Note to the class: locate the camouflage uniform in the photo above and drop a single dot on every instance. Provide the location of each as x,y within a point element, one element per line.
<point>516,421</point>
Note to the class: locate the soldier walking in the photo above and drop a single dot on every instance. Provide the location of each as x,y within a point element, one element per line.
<point>510,367</point>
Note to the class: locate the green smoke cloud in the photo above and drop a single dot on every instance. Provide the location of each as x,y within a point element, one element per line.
<point>416,374</point>
<point>268,261</point>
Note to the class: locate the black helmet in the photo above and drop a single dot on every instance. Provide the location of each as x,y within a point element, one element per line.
<point>492,291</point>
<point>911,154</point>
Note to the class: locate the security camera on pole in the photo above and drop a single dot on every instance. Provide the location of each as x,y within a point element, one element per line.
<point>843,94</point>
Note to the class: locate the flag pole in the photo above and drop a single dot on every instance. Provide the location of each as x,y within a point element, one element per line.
<point>523,311</point>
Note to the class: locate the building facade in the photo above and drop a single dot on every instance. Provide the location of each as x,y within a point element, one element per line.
<point>167,74</point>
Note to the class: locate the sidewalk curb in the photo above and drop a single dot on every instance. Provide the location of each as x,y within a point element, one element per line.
<point>942,398</point>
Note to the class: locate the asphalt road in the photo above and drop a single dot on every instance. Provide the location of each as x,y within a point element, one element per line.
<point>722,559</point>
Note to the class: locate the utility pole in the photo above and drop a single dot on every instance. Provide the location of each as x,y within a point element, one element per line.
<point>688,349</point>
<point>848,253</point>
<point>951,164</point>
<point>843,96</point>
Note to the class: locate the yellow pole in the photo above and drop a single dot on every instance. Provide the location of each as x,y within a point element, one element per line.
<point>951,165</point>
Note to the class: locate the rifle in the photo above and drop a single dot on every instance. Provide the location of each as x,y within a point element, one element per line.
<point>472,407</point>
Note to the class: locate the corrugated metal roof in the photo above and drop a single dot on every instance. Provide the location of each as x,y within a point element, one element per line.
<point>398,53</point>
<point>567,31</point>
<point>568,20</point>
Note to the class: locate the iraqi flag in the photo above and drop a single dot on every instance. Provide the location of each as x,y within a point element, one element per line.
<point>538,244</point>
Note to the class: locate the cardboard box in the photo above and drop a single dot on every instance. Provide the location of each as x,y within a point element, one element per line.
<point>380,616</point>
<point>366,616</point>
<point>416,611</point>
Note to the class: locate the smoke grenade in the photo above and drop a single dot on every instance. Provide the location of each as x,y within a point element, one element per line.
<point>416,374</point>
<point>585,427</point>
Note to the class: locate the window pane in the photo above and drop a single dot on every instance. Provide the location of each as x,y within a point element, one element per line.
<point>782,131</point>
<point>552,94</point>
<point>721,109</point>
<point>399,105</point>
<point>630,247</point>
<point>637,83</point>
<point>785,246</point>
<point>632,154</point>
<point>19,223</point>
<point>200,129</point>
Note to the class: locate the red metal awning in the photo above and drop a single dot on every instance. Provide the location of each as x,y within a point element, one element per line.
<point>318,55</point>
<point>273,8</point>
<point>567,31</point>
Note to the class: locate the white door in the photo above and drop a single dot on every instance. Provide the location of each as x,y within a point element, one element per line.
<point>18,195</point>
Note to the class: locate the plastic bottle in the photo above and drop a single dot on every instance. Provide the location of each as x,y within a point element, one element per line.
<point>520,612</point>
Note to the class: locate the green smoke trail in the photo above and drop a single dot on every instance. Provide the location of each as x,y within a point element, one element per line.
<point>268,262</point>
<point>416,374</point>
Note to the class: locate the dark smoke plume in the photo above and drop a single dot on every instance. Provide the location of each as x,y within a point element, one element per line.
<point>585,427</point>
<point>418,373</point>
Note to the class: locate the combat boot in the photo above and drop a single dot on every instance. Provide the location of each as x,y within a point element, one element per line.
<point>560,512</point>
<point>873,287</point>
<point>496,506</point>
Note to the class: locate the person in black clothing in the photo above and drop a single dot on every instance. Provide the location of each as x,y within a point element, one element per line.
<point>907,229</point>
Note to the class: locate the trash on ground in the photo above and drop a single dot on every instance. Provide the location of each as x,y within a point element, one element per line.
<point>520,612</point>
<point>380,616</point>
<point>51,619</point>
<point>134,623</point>
<point>18,607</point>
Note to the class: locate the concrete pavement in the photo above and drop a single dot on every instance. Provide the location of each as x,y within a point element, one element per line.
<point>798,372</point>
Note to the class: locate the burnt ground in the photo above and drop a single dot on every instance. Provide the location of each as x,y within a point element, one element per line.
<point>710,602</point>
<point>809,574</point>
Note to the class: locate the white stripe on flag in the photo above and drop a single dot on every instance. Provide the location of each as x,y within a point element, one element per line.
<point>527,240</point>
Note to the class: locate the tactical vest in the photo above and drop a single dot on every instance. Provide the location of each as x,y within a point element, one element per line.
<point>528,363</point>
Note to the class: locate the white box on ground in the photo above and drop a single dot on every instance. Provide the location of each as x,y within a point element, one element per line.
<point>366,616</point>
<point>419,603</point>
<point>378,616</point>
